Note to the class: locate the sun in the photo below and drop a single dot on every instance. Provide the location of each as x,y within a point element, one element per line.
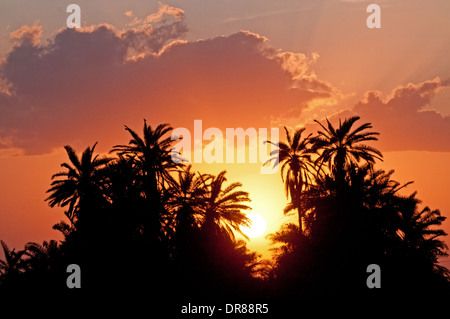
<point>257,225</point>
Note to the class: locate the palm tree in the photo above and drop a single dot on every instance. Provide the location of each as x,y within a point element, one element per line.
<point>295,170</point>
<point>222,208</point>
<point>152,153</point>
<point>418,233</point>
<point>79,186</point>
<point>13,265</point>
<point>186,198</point>
<point>412,232</point>
<point>341,146</point>
<point>42,256</point>
<point>287,236</point>
<point>123,181</point>
<point>184,201</point>
<point>64,228</point>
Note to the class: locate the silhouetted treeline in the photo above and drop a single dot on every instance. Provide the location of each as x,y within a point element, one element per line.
<point>352,215</point>
<point>137,219</point>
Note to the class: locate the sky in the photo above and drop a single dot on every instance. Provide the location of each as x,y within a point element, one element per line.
<point>254,63</point>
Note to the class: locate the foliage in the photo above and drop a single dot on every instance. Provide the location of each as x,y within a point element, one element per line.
<point>139,219</point>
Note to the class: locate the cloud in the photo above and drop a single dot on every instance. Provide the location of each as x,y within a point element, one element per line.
<point>30,35</point>
<point>402,119</point>
<point>151,33</point>
<point>84,84</point>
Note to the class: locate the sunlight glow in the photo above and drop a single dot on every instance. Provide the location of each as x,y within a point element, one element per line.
<point>257,226</point>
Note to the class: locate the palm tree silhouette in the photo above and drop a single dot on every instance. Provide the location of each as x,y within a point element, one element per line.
<point>127,207</point>
<point>152,154</point>
<point>418,233</point>
<point>175,227</point>
<point>295,170</point>
<point>287,236</point>
<point>341,146</point>
<point>122,181</point>
<point>186,196</point>
<point>222,207</point>
<point>42,256</point>
<point>13,265</point>
<point>80,184</point>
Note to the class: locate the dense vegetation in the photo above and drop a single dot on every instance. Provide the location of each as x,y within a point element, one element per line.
<point>137,219</point>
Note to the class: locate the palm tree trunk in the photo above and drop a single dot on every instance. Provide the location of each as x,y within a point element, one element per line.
<point>340,180</point>
<point>300,213</point>
<point>300,220</point>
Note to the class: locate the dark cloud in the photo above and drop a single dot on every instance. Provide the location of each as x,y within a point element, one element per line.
<point>85,84</point>
<point>405,118</point>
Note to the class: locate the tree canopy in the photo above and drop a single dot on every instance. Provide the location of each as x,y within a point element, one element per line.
<point>136,216</point>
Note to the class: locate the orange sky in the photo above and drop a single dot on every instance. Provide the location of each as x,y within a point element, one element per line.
<point>295,61</point>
